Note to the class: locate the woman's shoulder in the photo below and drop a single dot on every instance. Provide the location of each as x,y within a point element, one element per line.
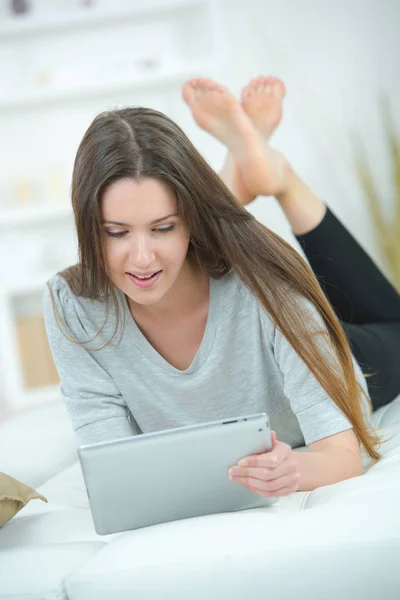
<point>237,299</point>
<point>57,284</point>
<point>62,300</point>
<point>231,284</point>
<point>66,288</point>
<point>288,301</point>
<point>59,290</point>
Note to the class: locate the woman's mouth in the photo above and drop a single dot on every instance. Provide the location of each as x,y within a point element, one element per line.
<point>145,280</point>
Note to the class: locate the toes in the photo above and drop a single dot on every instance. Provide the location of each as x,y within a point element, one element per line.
<point>193,88</point>
<point>260,83</point>
<point>189,91</point>
<point>278,88</point>
<point>264,84</point>
<point>252,85</point>
<point>247,91</point>
<point>209,85</point>
<point>220,88</point>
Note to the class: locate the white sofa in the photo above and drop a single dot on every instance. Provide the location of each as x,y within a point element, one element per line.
<point>339,541</point>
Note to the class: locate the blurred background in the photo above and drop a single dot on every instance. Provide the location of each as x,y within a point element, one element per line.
<point>64,61</point>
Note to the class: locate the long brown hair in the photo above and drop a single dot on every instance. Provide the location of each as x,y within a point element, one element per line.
<point>139,142</point>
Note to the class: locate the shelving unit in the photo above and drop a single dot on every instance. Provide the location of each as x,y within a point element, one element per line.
<point>91,17</point>
<point>36,214</point>
<point>29,371</point>
<point>64,81</point>
<point>156,80</point>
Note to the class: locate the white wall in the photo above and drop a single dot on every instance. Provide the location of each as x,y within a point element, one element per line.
<point>335,58</point>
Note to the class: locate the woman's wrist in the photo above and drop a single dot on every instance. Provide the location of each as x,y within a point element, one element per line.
<point>302,208</point>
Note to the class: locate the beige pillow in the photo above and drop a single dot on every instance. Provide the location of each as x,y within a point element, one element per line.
<point>13,496</point>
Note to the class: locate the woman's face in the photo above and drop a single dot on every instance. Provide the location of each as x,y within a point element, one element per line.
<point>146,241</point>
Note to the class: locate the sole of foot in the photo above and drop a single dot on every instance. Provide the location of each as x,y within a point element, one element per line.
<point>215,110</point>
<point>262,100</point>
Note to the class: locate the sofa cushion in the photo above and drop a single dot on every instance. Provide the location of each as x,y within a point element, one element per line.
<point>342,545</point>
<point>67,488</point>
<point>66,517</point>
<point>388,415</point>
<point>48,525</point>
<point>351,571</point>
<point>14,495</point>
<point>37,444</point>
<point>239,556</point>
<point>38,572</point>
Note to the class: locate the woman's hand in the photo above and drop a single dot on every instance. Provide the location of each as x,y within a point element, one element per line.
<point>273,474</point>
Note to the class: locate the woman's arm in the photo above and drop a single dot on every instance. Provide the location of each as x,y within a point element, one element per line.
<point>97,410</point>
<point>283,471</point>
<point>328,461</point>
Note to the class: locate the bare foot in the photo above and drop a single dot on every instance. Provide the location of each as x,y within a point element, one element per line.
<point>215,110</point>
<point>262,101</point>
<point>232,177</point>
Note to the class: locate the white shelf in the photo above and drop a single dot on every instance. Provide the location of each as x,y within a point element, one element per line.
<point>15,393</point>
<point>31,24</point>
<point>27,285</point>
<point>151,80</point>
<point>31,215</point>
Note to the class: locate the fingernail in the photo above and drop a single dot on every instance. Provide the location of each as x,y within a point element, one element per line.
<point>243,463</point>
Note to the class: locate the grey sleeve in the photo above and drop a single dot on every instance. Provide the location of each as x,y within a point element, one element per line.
<point>317,414</point>
<point>93,401</point>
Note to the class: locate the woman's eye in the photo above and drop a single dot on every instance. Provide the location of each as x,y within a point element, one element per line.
<point>165,229</point>
<point>116,234</point>
<point>120,234</point>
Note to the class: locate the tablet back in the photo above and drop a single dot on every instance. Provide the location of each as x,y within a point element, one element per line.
<point>174,474</point>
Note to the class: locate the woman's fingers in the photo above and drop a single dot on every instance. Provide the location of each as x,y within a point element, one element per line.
<point>267,488</point>
<point>278,454</point>
<point>287,467</point>
<point>273,473</point>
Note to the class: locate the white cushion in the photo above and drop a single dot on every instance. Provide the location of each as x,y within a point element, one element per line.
<point>388,415</point>
<point>38,572</point>
<point>67,488</point>
<point>66,517</point>
<point>353,571</point>
<point>254,554</point>
<point>345,540</point>
<point>37,444</point>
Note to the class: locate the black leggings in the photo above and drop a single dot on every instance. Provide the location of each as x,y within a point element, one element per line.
<point>365,302</point>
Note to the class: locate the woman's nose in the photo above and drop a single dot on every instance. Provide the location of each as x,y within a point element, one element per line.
<point>142,253</point>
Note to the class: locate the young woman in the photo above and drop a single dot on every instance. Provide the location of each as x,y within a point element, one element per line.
<point>184,309</point>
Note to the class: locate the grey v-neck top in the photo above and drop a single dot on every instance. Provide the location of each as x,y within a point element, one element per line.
<point>244,365</point>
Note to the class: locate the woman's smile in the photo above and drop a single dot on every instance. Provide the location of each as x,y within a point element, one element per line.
<point>145,281</point>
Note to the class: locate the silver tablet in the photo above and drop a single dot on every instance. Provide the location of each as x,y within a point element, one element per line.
<point>174,474</point>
